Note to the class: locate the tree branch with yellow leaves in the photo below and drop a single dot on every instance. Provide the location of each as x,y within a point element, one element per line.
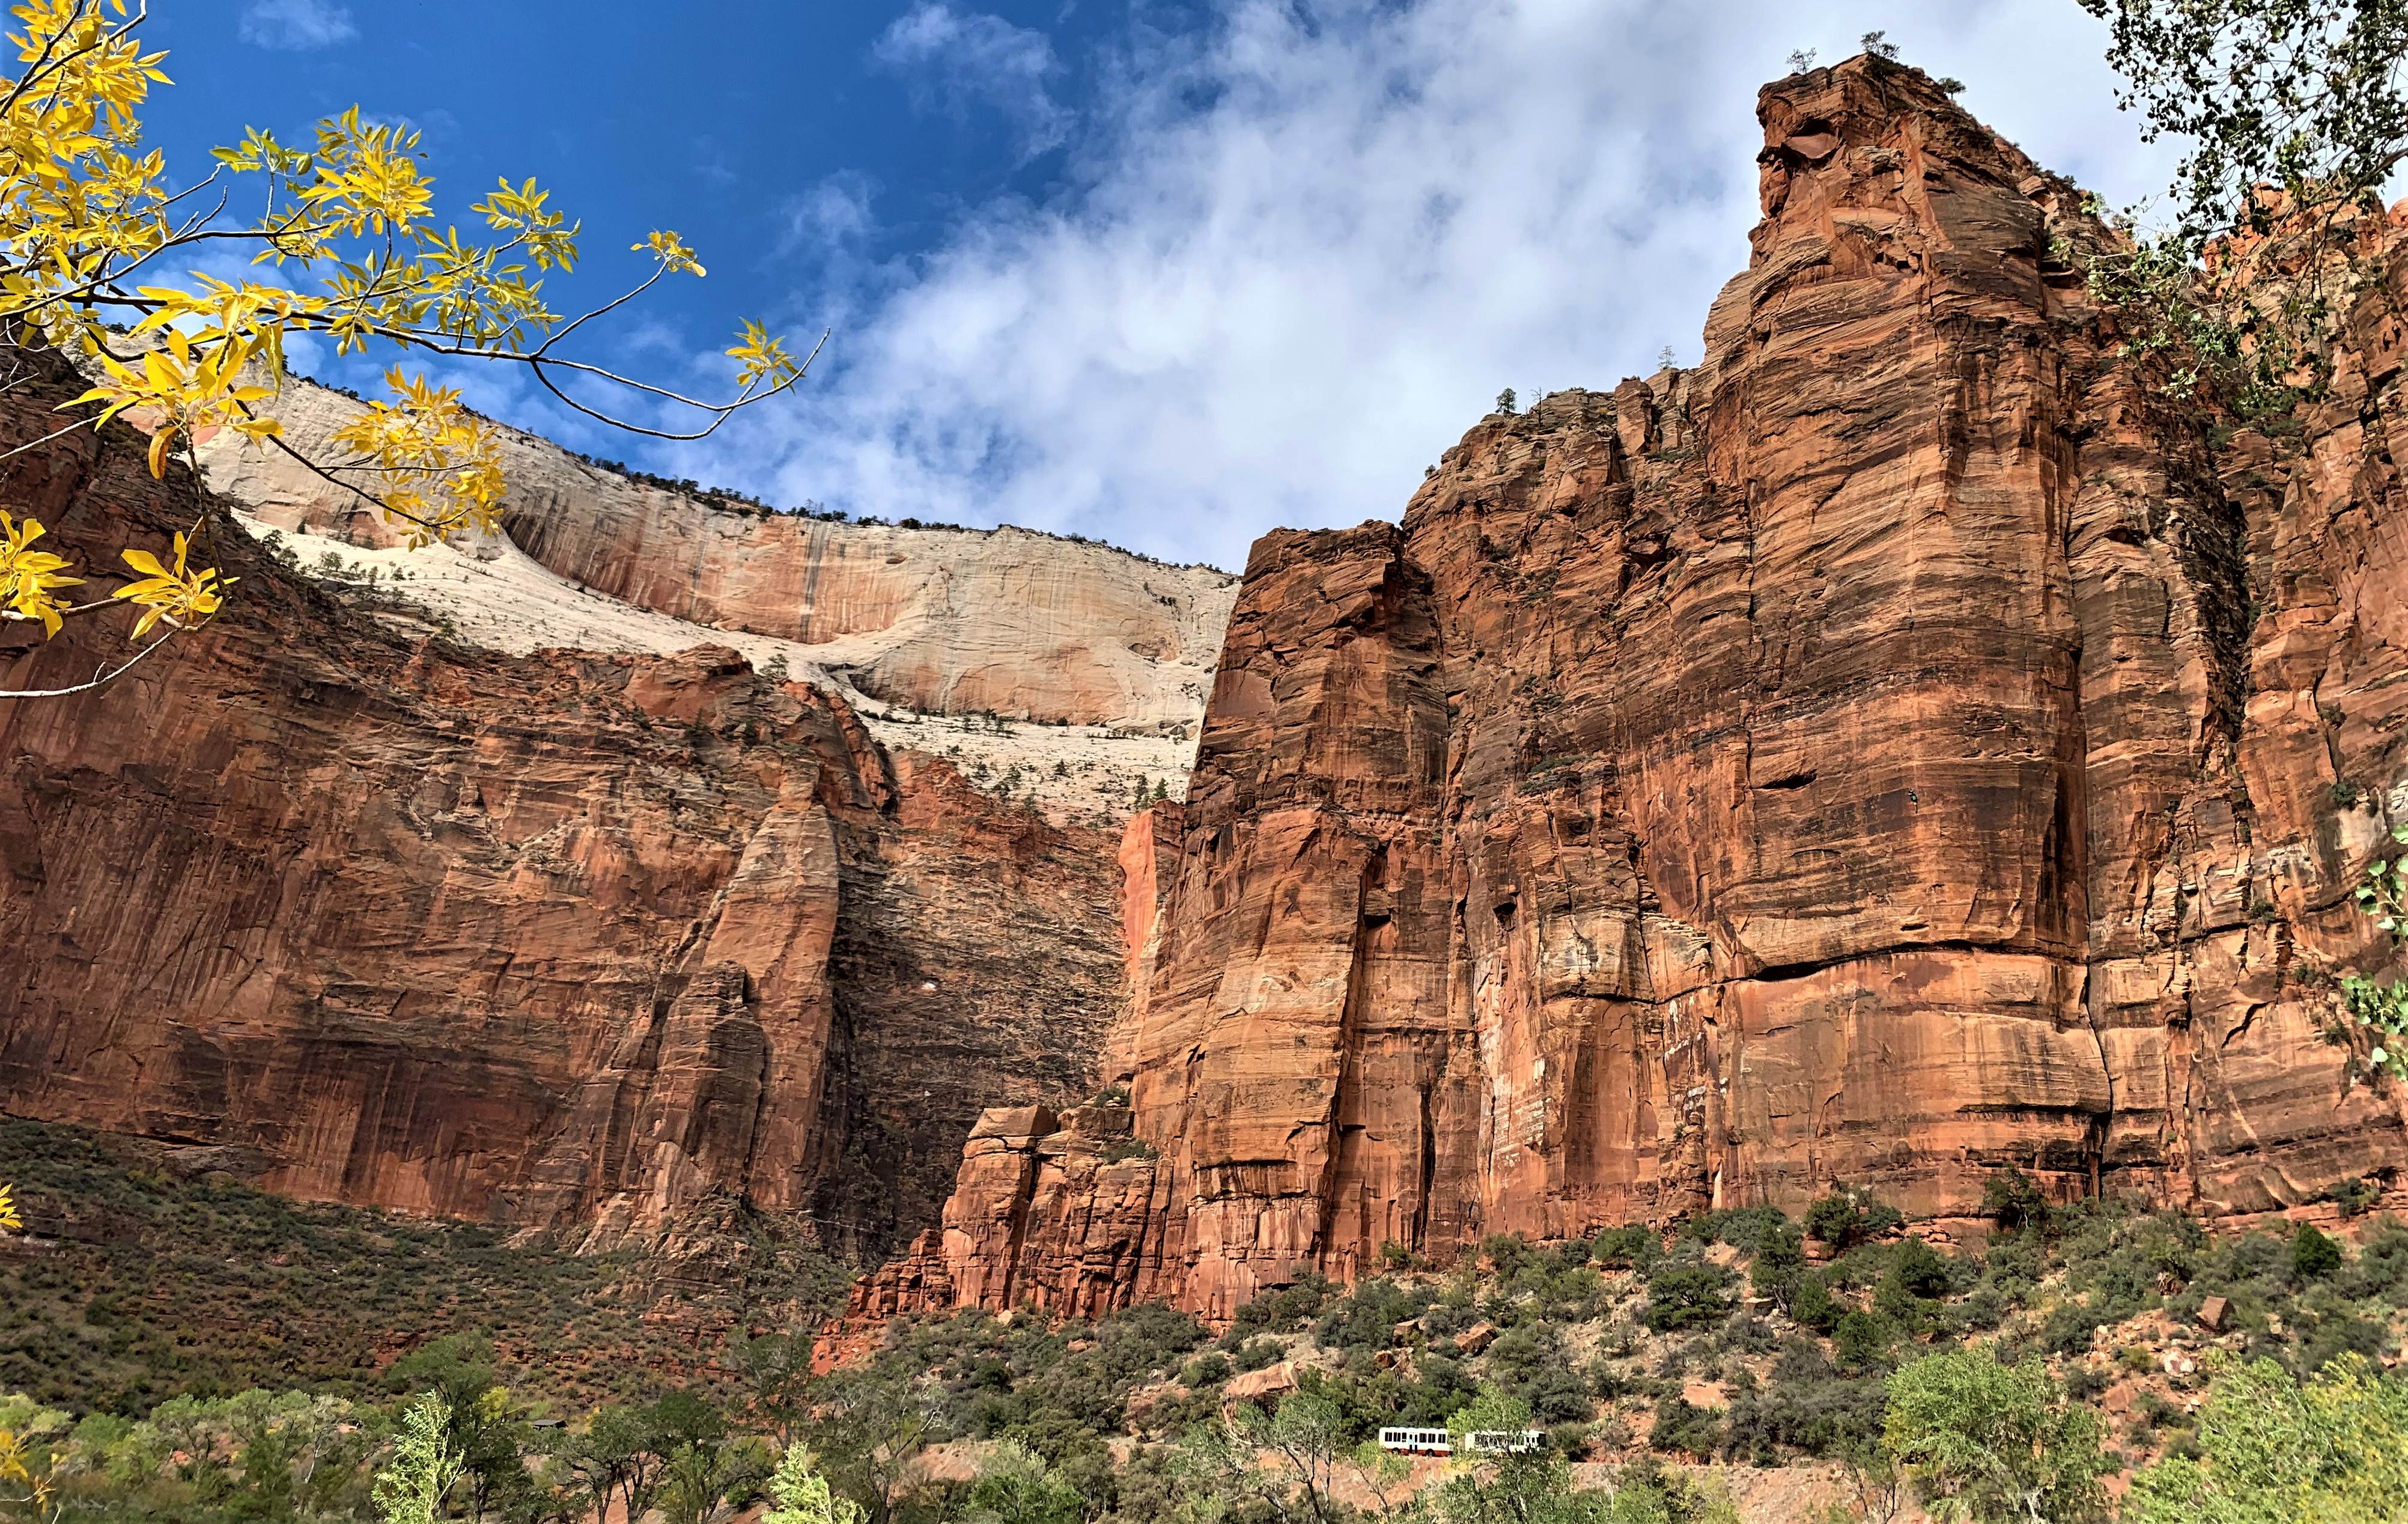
<point>348,223</point>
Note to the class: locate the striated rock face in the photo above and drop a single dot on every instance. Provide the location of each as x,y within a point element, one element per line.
<point>1063,1212</point>
<point>1149,863</point>
<point>561,939</point>
<point>1903,747</point>
<point>952,622</point>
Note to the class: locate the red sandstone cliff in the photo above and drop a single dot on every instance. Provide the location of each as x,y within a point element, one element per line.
<point>560,940</point>
<point>1904,746</point>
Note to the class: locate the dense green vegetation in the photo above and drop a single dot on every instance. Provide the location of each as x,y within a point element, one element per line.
<point>140,1285</point>
<point>203,1352</point>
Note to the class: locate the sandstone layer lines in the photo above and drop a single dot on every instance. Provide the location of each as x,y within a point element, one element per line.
<point>1912,744</point>
<point>492,594</point>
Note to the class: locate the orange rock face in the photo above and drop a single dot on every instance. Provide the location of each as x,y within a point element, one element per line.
<point>1906,746</point>
<point>1064,1214</point>
<point>563,940</point>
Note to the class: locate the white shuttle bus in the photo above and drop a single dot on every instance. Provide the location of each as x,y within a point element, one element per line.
<point>1478,1441</point>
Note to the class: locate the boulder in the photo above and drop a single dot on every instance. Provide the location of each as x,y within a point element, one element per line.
<point>1248,1386</point>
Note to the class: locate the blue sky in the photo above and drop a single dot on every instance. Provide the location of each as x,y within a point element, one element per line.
<point>1169,273</point>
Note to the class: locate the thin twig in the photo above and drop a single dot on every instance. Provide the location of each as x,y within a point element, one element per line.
<point>362,493</point>
<point>723,411</point>
<point>55,434</point>
<point>544,349</point>
<point>99,680</point>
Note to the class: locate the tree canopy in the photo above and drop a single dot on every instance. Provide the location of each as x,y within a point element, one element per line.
<point>353,250</point>
<point>2295,115</point>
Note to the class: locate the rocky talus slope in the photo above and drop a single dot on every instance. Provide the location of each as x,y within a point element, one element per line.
<point>1906,745</point>
<point>569,940</point>
<point>940,621</point>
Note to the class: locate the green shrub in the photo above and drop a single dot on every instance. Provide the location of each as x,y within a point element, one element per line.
<point>2011,1200</point>
<point>1744,1333</point>
<point>2354,1196</point>
<point>1682,1426</point>
<point>2313,1255</point>
<point>1687,1293</point>
<point>2145,1252</point>
<point>1860,1343</point>
<point>1999,1443</point>
<point>2335,1333</point>
<point>1744,1228</point>
<point>1634,1246</point>
<point>1367,1317</point>
<point>1258,1354</point>
<point>2069,1327</point>
<point>1507,1253</point>
<point>1983,1307</point>
<point>1137,1342</point>
<point>1919,1270</point>
<point>1527,1364</point>
<point>1850,1217</point>
<point>1608,1378</point>
<point>1812,1304</point>
<point>1779,1260</point>
<point>1808,1408</point>
<point>2274,1450</point>
<point>1572,1295</point>
<point>1280,1311</point>
<point>2257,1257</point>
<point>1557,1395</point>
<point>2382,1269</point>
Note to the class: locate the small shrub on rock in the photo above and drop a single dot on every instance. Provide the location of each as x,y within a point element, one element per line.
<point>1849,1216</point>
<point>2313,1255</point>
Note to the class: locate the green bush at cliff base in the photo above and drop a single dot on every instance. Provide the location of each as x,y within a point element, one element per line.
<point>1988,1442</point>
<point>2335,1448</point>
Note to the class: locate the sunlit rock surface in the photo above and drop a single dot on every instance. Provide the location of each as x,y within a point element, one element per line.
<point>1905,746</point>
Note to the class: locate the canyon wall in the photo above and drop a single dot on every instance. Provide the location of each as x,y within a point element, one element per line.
<point>566,940</point>
<point>942,620</point>
<point>1908,745</point>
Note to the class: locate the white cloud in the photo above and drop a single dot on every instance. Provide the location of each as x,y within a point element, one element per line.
<point>834,213</point>
<point>296,26</point>
<point>957,56</point>
<point>1305,249</point>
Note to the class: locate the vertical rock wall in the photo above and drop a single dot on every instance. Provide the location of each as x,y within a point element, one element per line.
<point>1907,745</point>
<point>568,940</point>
